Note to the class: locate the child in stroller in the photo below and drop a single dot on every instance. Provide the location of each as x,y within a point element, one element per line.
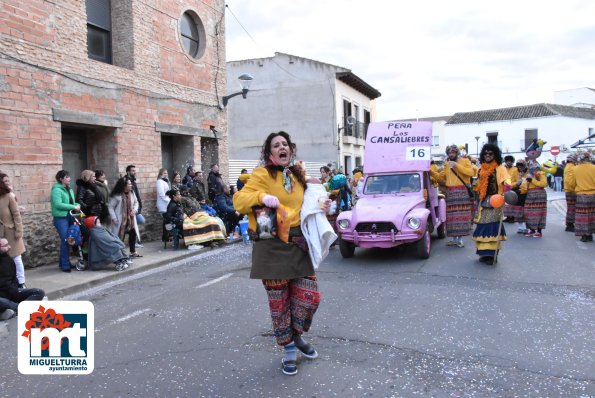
<point>101,246</point>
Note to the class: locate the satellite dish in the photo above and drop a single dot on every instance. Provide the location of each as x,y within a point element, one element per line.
<point>350,120</point>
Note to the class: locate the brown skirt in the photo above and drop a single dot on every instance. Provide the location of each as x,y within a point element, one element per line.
<point>275,259</point>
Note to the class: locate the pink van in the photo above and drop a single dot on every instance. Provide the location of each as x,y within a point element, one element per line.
<point>399,205</point>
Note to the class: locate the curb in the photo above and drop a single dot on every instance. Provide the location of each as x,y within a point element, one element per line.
<point>113,276</point>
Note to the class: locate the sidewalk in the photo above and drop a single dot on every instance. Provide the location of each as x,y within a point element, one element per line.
<point>58,284</point>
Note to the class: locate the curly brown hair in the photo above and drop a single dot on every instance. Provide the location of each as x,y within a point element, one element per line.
<point>3,188</point>
<point>265,155</point>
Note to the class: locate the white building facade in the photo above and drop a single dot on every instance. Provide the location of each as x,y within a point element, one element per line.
<point>513,129</point>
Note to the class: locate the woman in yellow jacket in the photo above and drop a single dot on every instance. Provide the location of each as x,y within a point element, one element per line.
<point>569,192</point>
<point>284,267</point>
<point>535,209</point>
<point>456,175</point>
<point>583,183</point>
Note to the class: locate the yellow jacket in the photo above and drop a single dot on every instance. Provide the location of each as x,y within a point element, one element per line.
<point>582,181</point>
<point>356,178</point>
<point>261,184</point>
<point>537,182</point>
<point>568,176</point>
<point>513,172</point>
<point>446,176</point>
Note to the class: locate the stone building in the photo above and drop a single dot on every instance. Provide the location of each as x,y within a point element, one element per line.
<point>100,84</point>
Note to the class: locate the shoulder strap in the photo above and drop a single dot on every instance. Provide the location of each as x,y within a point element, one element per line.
<point>458,176</point>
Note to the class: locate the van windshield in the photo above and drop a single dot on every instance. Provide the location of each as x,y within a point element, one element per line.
<point>396,183</point>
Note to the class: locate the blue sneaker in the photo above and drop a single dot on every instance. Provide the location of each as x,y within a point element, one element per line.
<point>289,367</point>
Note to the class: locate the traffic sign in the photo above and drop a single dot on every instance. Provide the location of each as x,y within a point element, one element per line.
<point>555,150</point>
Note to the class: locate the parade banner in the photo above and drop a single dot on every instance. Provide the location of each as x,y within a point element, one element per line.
<point>398,146</point>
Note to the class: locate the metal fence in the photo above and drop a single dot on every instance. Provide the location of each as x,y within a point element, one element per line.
<point>358,130</point>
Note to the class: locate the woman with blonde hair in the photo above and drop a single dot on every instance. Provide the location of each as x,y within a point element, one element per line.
<point>88,194</point>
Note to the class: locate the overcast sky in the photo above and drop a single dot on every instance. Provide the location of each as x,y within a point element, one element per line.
<point>430,58</point>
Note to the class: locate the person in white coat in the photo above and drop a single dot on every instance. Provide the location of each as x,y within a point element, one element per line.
<point>122,207</point>
<point>163,186</point>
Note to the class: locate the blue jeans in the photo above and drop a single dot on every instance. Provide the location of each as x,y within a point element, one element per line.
<point>61,224</point>
<point>558,181</point>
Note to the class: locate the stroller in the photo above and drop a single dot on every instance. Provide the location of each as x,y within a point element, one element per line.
<point>77,236</point>
<point>99,247</point>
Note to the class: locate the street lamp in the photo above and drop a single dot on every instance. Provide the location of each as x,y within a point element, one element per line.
<point>477,145</point>
<point>245,81</point>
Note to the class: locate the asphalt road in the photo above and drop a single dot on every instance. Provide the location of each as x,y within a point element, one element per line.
<point>389,324</point>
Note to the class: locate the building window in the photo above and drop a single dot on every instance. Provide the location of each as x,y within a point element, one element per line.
<point>346,114</point>
<point>493,138</point>
<point>99,35</point>
<point>192,35</point>
<point>530,135</point>
<point>436,140</point>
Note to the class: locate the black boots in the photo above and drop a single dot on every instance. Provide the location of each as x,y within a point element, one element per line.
<point>569,227</point>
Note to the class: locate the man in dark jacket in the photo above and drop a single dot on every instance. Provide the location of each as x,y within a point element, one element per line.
<point>215,182</point>
<point>10,294</point>
<point>198,190</point>
<point>189,177</point>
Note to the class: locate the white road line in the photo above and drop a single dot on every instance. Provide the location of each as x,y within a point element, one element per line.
<point>124,318</point>
<point>215,280</point>
<point>131,315</point>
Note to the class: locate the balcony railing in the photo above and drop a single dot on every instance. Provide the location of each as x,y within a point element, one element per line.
<point>358,130</point>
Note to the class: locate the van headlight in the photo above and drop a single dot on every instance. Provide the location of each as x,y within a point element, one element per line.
<point>344,224</point>
<point>414,222</point>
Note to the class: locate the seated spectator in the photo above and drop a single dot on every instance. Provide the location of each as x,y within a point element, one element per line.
<point>189,177</point>
<point>174,216</point>
<point>202,229</point>
<point>199,190</point>
<point>176,182</point>
<point>215,182</point>
<point>175,211</point>
<point>10,293</point>
<point>224,206</point>
<point>5,312</point>
<point>104,247</point>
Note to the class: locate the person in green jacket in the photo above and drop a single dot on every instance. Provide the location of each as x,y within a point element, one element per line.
<point>62,201</point>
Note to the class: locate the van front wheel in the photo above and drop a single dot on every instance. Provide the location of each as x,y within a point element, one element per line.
<point>424,245</point>
<point>347,249</point>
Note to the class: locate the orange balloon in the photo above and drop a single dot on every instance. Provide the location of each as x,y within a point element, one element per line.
<point>497,201</point>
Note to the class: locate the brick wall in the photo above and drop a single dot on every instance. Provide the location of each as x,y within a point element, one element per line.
<point>44,66</point>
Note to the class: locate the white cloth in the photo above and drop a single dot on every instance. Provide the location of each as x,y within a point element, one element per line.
<point>162,198</point>
<point>317,231</point>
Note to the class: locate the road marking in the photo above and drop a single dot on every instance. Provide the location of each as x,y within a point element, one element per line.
<point>131,315</point>
<point>215,280</point>
<point>124,318</point>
